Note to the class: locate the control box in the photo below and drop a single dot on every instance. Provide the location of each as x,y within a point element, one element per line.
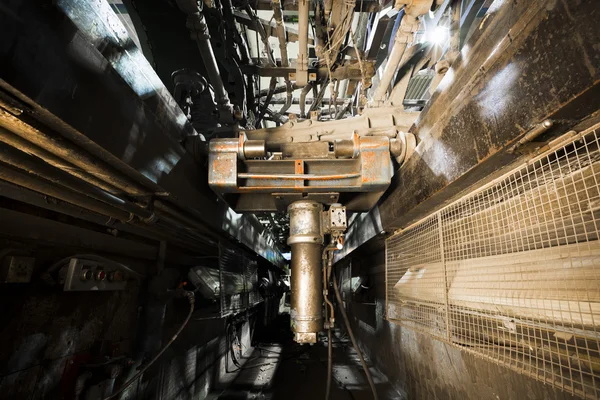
<point>83,275</point>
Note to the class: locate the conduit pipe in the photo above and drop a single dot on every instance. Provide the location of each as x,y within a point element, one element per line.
<point>73,154</point>
<point>200,33</point>
<point>302,60</point>
<point>403,37</point>
<point>43,186</point>
<point>22,161</point>
<point>77,181</point>
<point>19,143</point>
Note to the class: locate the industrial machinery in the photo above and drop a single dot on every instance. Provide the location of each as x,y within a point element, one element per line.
<point>188,186</point>
<point>306,165</point>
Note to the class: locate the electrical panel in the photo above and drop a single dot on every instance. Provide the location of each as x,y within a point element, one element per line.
<point>83,275</point>
<point>17,269</point>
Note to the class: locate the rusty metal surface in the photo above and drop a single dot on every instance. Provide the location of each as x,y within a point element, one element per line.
<point>370,171</point>
<point>306,289</point>
<point>306,240</point>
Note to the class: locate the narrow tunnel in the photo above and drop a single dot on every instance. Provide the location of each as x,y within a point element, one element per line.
<point>299,199</point>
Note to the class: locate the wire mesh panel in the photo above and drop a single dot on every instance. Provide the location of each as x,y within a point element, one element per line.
<point>251,276</point>
<point>415,275</point>
<point>238,274</point>
<point>231,272</point>
<point>511,272</point>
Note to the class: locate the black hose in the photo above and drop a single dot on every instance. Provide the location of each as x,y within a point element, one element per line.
<point>265,105</point>
<point>329,364</point>
<point>351,334</point>
<point>191,299</point>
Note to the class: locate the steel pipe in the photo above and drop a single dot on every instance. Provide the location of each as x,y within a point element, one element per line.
<point>302,61</point>
<point>73,154</point>
<point>200,33</point>
<point>306,241</point>
<point>27,147</point>
<point>20,160</point>
<point>401,41</point>
<point>40,185</point>
<point>280,31</point>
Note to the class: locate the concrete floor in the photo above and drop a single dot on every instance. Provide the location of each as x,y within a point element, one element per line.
<point>284,370</point>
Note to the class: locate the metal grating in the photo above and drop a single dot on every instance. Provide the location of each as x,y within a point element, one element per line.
<point>511,272</point>
<point>238,277</point>
<point>251,276</point>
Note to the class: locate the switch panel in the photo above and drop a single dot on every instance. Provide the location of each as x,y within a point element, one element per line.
<point>17,269</point>
<point>82,275</point>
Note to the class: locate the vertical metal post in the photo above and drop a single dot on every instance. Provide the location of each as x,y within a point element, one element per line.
<point>446,288</point>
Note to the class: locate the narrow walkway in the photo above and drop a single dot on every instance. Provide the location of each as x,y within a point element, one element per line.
<point>288,371</point>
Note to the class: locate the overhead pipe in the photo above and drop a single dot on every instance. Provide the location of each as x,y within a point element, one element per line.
<point>90,184</point>
<point>40,185</point>
<point>280,31</point>
<point>403,38</point>
<point>281,36</point>
<point>200,33</point>
<point>401,41</point>
<point>18,142</point>
<point>68,151</point>
<point>302,60</point>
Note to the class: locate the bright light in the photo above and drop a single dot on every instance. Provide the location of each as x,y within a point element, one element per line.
<point>439,35</point>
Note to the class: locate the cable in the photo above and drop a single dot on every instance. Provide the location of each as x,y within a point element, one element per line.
<point>329,364</point>
<point>191,298</point>
<point>351,334</point>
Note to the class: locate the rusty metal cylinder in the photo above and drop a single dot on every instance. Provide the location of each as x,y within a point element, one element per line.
<point>306,241</point>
